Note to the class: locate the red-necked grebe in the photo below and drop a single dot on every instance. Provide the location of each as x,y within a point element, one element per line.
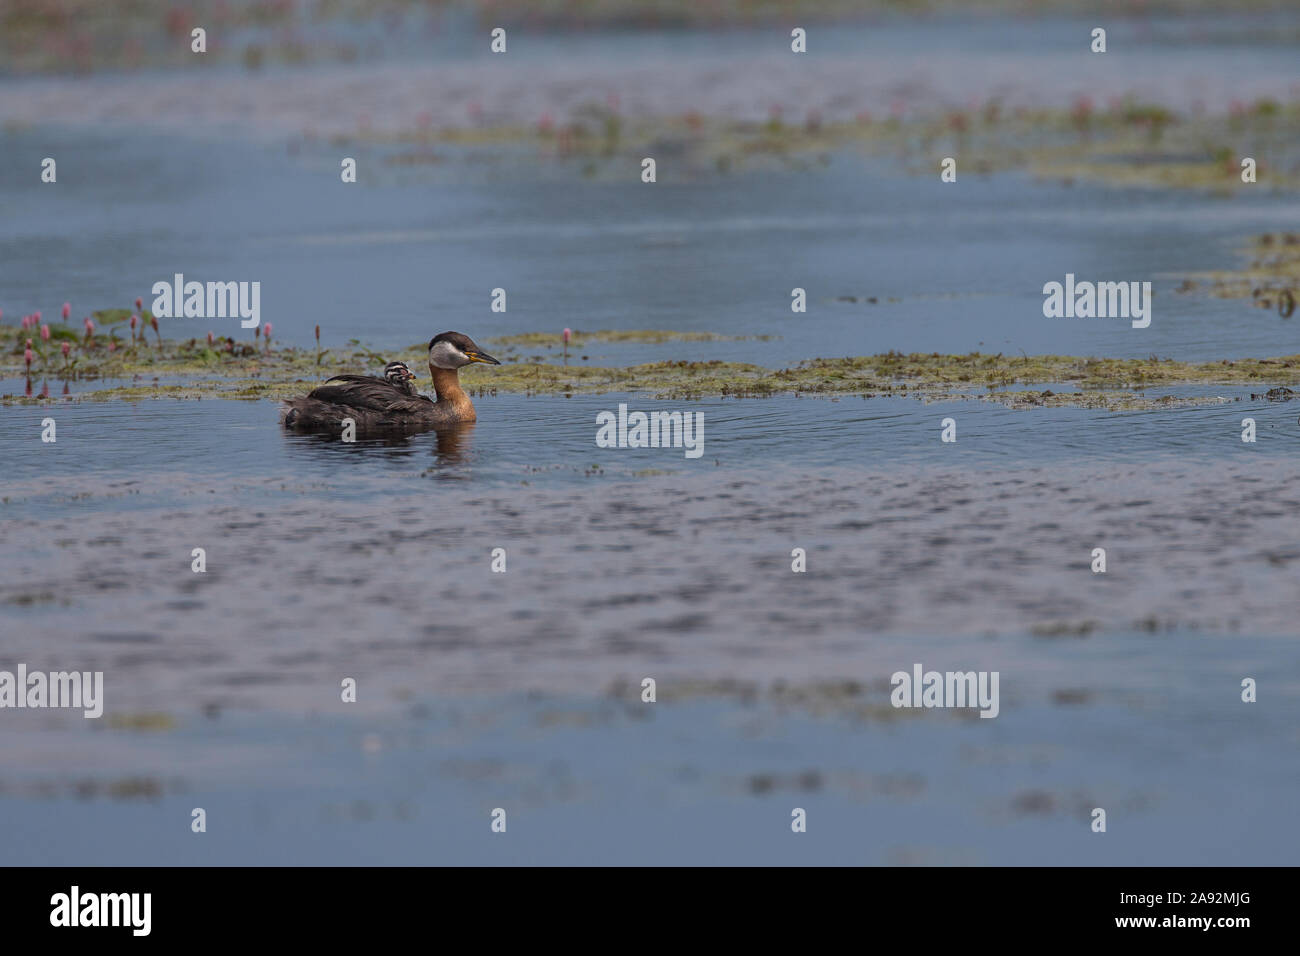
<point>391,403</point>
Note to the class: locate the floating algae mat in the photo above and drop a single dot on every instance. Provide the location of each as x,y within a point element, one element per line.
<point>639,336</point>
<point>1271,278</point>
<point>223,368</point>
<point>1124,143</point>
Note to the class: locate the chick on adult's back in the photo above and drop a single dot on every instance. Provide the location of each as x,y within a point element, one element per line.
<point>388,404</point>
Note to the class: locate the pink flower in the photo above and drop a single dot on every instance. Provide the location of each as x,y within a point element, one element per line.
<point>45,333</point>
<point>36,317</point>
<point>90,327</point>
<point>567,333</point>
<point>210,337</point>
<point>266,329</point>
<point>112,345</point>
<point>67,310</point>
<point>27,321</point>
<point>27,357</point>
<point>66,349</point>
<point>139,303</point>
<point>134,319</point>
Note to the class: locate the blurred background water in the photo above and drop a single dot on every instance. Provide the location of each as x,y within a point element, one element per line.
<point>953,269</point>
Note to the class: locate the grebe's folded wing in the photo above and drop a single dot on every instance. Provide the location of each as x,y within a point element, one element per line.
<point>412,405</point>
<point>359,391</point>
<point>357,378</point>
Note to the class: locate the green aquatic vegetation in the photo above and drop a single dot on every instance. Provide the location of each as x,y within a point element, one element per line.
<point>851,699</point>
<point>108,356</point>
<point>32,598</point>
<point>1109,401</point>
<point>941,369</point>
<point>639,336</point>
<point>1270,278</point>
<point>112,316</point>
<point>671,379</point>
<point>1128,143</point>
<point>194,369</point>
<point>1156,149</point>
<point>143,721</point>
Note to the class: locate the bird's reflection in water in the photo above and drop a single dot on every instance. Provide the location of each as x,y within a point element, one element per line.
<point>395,444</point>
<point>451,448</point>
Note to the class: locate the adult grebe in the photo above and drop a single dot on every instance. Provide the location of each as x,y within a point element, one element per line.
<point>390,403</point>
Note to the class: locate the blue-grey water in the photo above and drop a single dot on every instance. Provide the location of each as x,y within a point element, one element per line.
<point>542,440</point>
<point>398,257</point>
<point>521,690</point>
<point>612,781</point>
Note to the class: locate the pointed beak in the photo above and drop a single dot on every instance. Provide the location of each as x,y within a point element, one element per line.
<point>475,355</point>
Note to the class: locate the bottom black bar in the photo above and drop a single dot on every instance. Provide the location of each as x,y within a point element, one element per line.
<point>333,906</point>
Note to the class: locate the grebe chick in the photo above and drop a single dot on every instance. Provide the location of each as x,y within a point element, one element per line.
<point>396,374</point>
<point>400,376</point>
<point>391,403</point>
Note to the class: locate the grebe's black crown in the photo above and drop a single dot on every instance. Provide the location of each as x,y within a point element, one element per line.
<point>458,339</point>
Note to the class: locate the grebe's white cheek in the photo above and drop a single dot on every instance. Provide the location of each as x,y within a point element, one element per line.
<point>446,355</point>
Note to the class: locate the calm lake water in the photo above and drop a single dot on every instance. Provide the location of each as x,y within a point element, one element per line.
<point>479,690</point>
<point>403,256</point>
